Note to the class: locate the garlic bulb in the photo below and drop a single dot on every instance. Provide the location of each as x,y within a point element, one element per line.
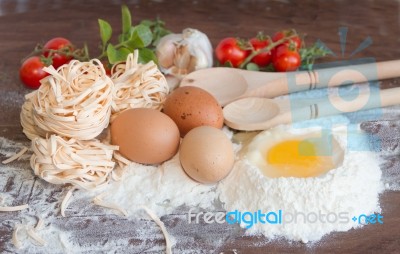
<point>180,54</point>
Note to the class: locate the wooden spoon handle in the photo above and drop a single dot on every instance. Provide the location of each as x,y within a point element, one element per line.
<point>338,76</point>
<point>337,105</point>
<point>328,77</point>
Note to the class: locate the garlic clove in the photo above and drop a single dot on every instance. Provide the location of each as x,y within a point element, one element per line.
<point>199,46</point>
<point>180,54</point>
<point>165,50</point>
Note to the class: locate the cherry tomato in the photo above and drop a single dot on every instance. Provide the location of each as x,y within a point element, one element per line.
<point>264,58</point>
<point>31,72</point>
<point>295,40</point>
<point>58,43</point>
<point>286,59</point>
<point>229,50</point>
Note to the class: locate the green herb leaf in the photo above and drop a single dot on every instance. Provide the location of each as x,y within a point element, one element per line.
<point>122,38</point>
<point>147,22</point>
<point>117,55</point>
<point>146,55</point>
<point>126,19</point>
<point>141,36</point>
<point>309,55</point>
<point>158,29</point>
<point>105,32</point>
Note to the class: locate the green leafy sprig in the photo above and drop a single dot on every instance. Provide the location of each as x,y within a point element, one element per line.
<point>310,54</point>
<point>142,37</point>
<point>158,29</point>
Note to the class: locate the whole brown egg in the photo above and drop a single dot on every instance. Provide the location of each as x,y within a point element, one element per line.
<point>191,107</point>
<point>206,154</point>
<point>145,135</point>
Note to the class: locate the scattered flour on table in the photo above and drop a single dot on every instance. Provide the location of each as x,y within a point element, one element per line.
<point>353,188</point>
<point>162,189</point>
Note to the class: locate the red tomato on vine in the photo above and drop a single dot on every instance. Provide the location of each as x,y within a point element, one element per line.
<point>230,50</point>
<point>31,72</point>
<point>286,58</point>
<point>295,40</point>
<point>264,58</point>
<point>60,44</point>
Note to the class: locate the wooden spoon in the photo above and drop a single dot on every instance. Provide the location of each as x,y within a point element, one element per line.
<point>229,84</point>
<point>254,113</point>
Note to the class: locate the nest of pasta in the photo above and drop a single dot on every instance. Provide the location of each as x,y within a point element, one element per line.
<point>137,85</point>
<point>74,101</point>
<point>73,106</point>
<point>86,164</point>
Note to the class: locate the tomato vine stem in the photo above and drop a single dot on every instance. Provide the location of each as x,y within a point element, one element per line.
<point>266,49</point>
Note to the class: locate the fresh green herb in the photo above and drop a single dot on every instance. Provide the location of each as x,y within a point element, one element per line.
<point>143,37</point>
<point>158,29</point>
<point>309,55</point>
<point>105,33</point>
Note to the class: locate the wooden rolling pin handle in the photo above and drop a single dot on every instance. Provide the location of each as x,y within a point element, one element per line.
<point>337,76</point>
<point>357,73</point>
<point>388,69</point>
<point>328,77</point>
<point>388,97</point>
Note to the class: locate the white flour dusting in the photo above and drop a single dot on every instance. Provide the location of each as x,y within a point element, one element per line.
<point>352,188</point>
<point>162,189</point>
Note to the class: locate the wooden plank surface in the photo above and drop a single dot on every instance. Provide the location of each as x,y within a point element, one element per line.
<point>24,23</point>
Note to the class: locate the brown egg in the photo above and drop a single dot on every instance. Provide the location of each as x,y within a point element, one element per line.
<point>145,135</point>
<point>191,107</point>
<point>206,154</point>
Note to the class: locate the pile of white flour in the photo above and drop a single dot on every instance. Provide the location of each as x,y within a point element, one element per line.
<point>320,204</point>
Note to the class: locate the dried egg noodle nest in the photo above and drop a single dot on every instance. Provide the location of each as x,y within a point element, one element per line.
<point>137,85</point>
<point>30,129</point>
<point>74,101</point>
<point>86,164</point>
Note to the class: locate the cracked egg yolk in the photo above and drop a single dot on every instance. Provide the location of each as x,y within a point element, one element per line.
<point>297,158</point>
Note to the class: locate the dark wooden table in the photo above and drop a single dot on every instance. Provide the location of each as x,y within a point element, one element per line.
<point>24,23</point>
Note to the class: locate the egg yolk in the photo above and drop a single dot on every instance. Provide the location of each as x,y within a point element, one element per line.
<point>297,158</point>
